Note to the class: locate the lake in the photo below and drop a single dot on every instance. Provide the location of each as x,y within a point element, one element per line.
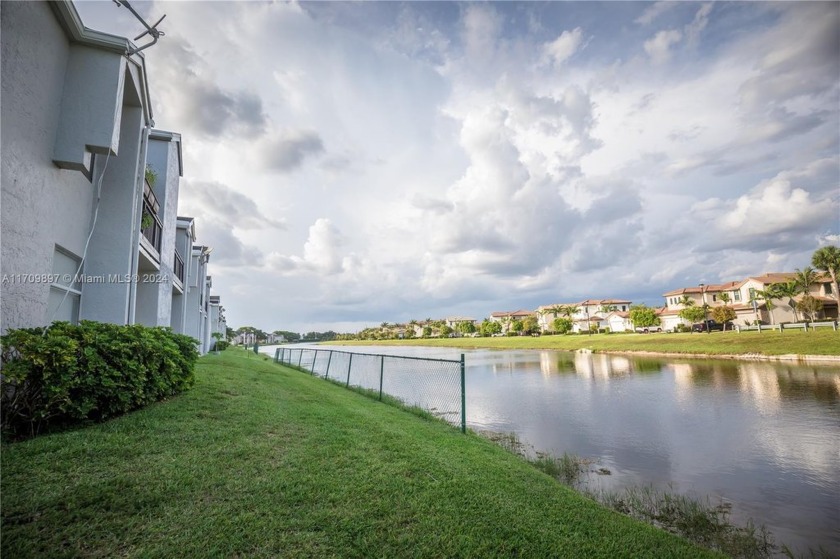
<point>764,436</point>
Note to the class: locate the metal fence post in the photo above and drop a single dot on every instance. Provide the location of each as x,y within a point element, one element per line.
<point>277,355</point>
<point>463,398</point>
<point>381,372</point>
<point>300,358</point>
<point>329,360</point>
<point>314,361</point>
<point>349,366</point>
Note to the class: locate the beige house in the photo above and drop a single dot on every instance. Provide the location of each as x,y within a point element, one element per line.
<point>506,318</point>
<point>455,322</point>
<point>742,297</point>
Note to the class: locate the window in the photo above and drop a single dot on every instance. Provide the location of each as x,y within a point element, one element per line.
<point>66,292</point>
<point>714,298</point>
<point>827,288</point>
<point>736,295</point>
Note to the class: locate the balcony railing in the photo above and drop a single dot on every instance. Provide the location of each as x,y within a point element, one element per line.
<point>150,224</point>
<point>178,267</point>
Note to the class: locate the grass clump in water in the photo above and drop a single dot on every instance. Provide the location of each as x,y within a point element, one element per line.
<point>568,469</point>
<point>694,519</point>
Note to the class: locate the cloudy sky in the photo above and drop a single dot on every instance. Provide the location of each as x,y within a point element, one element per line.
<point>354,163</point>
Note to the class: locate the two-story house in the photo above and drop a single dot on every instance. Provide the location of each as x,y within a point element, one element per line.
<point>748,299</point>
<point>589,313</point>
<point>507,318</point>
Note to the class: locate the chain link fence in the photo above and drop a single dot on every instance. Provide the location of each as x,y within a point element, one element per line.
<point>435,385</point>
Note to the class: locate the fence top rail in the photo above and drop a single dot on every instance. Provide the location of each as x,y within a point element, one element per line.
<point>377,354</point>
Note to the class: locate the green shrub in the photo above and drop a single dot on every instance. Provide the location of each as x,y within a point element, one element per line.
<point>90,371</point>
<point>221,345</point>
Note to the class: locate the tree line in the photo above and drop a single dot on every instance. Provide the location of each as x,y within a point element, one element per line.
<point>825,259</point>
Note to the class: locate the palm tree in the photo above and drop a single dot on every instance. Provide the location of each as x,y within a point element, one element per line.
<point>725,298</point>
<point>790,290</point>
<point>686,301</point>
<point>569,310</point>
<point>607,309</point>
<point>806,278</point>
<point>828,260</point>
<point>767,296</point>
<point>555,310</point>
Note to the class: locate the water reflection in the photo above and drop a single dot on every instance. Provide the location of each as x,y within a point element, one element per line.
<point>764,435</point>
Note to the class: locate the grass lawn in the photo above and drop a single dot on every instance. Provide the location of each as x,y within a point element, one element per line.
<point>824,341</point>
<point>261,461</point>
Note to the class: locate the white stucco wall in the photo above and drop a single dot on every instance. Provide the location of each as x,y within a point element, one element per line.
<point>183,243</point>
<point>198,295</point>
<point>40,205</point>
<point>114,244</point>
<point>154,293</point>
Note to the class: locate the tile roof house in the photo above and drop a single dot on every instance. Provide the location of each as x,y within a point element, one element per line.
<point>584,311</point>
<point>506,318</point>
<point>743,300</point>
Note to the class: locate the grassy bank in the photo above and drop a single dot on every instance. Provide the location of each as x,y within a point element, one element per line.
<point>818,342</point>
<point>262,461</point>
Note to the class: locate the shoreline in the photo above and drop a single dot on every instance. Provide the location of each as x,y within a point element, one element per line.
<point>794,357</point>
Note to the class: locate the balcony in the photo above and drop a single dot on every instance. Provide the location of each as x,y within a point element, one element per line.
<point>150,224</point>
<point>178,267</point>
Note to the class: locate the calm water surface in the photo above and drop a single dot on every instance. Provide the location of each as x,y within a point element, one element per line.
<point>762,436</point>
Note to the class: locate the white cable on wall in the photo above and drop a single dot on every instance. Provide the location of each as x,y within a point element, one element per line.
<point>87,242</point>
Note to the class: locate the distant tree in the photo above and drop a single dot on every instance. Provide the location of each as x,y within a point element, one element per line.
<point>805,279</point>
<point>810,305</point>
<point>230,333</point>
<point>686,301</point>
<point>427,331</point>
<point>767,295</point>
<point>288,336</point>
<point>445,331</point>
<point>643,316</point>
<point>562,325</point>
<point>249,334</point>
<point>490,327</point>
<point>788,290</point>
<point>725,298</point>
<point>517,326</point>
<point>569,310</point>
<point>466,327</point>
<point>694,314</point>
<point>723,314</point>
<point>554,310</point>
<point>827,259</point>
<point>530,325</point>
<point>607,309</point>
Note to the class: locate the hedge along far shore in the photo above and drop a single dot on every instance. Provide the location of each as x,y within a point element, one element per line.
<point>70,373</point>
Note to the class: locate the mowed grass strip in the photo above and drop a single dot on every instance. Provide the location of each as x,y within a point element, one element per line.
<point>263,461</point>
<point>823,341</point>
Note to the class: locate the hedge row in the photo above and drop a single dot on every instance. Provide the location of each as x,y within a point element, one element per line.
<point>69,373</point>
